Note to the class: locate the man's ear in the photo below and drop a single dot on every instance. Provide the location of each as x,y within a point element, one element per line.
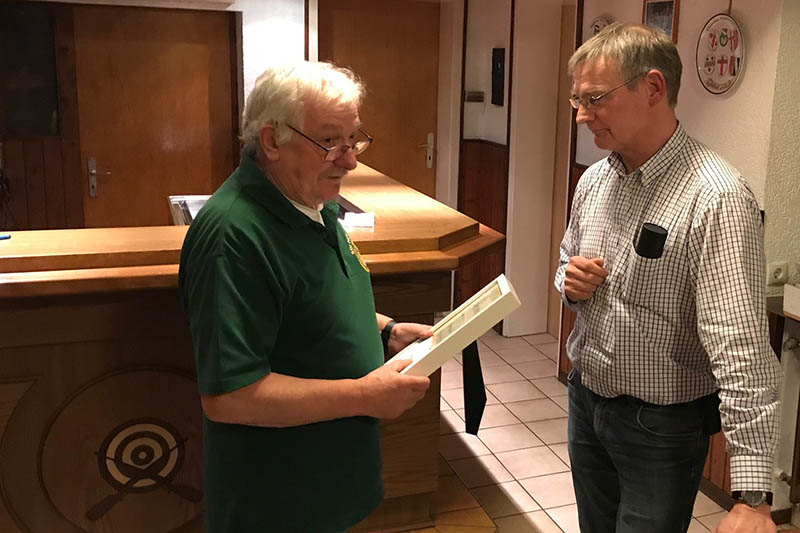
<point>656,86</point>
<point>266,138</point>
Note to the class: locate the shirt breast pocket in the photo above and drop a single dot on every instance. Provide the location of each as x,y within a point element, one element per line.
<point>649,281</point>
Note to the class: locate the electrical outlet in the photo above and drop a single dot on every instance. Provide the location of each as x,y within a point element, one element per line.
<point>777,273</point>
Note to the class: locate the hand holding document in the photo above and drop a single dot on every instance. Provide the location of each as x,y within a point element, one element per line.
<point>459,328</point>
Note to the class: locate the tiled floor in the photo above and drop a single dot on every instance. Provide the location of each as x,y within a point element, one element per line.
<point>517,468</point>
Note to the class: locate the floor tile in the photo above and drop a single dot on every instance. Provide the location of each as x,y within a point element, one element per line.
<point>531,462</point>
<point>504,499</point>
<point>450,422</point>
<point>533,410</point>
<point>540,338</point>
<point>488,357</point>
<point>480,471</point>
<point>475,518</point>
<point>554,490</point>
<point>507,438</point>
<point>460,445</point>
<point>535,522</point>
<point>515,391</point>
<point>696,527</point>
<point>452,380</point>
<point>551,386</point>
<point>501,374</point>
<point>455,397</point>
<point>704,506</point>
<point>496,342</point>
<point>562,402</point>
<point>550,350</point>
<point>553,431</point>
<point>443,405</point>
<point>537,369</point>
<point>711,521</point>
<point>524,354</point>
<point>444,467</point>
<point>491,399</point>
<point>561,451</point>
<point>494,416</point>
<point>452,495</point>
<point>451,366</point>
<point>566,517</point>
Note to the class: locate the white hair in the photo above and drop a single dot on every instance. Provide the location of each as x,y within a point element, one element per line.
<point>280,93</point>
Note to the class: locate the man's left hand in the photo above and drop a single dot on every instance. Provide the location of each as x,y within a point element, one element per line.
<point>745,519</point>
<point>404,333</point>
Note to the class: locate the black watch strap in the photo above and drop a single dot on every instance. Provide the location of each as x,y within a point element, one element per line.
<point>753,498</point>
<point>385,332</point>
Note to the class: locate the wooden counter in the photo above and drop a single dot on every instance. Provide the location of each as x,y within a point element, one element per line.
<point>97,370</point>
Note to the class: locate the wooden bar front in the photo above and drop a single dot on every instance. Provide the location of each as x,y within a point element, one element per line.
<point>100,421</point>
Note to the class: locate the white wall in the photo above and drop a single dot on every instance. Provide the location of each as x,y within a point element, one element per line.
<point>448,134</point>
<point>782,228</point>
<point>782,204</point>
<point>272,31</point>
<point>488,26</point>
<point>736,124</point>
<point>534,97</point>
<point>586,152</point>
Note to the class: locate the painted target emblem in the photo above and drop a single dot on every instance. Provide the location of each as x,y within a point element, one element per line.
<point>140,456</point>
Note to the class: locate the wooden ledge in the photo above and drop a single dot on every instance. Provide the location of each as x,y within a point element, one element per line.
<point>94,280</point>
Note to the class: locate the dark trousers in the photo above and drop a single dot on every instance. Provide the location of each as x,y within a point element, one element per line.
<point>636,466</point>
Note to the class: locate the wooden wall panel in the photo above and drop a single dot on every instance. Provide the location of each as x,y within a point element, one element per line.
<point>34,183</point>
<point>44,172</point>
<point>15,171</point>
<point>482,195</point>
<point>53,183</point>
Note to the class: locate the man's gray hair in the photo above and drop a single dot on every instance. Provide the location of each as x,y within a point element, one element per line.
<point>636,50</point>
<point>280,93</point>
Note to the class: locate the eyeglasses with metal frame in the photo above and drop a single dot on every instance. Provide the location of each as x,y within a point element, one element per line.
<point>333,153</point>
<point>592,102</point>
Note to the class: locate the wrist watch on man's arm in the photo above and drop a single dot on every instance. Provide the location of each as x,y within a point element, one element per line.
<point>753,498</point>
<point>385,333</point>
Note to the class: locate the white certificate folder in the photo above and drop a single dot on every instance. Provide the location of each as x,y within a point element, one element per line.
<point>461,327</point>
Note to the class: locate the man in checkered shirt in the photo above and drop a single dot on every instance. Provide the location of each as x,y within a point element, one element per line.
<point>672,338</point>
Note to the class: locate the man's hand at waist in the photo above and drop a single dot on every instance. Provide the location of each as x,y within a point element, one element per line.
<point>582,277</point>
<point>745,519</point>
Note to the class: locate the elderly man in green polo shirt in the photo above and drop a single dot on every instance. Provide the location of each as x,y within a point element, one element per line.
<point>287,341</point>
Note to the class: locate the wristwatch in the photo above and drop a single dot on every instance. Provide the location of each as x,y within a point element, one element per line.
<point>753,498</point>
<point>385,332</point>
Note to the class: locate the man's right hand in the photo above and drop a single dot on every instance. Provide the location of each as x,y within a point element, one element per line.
<point>582,277</point>
<point>386,393</point>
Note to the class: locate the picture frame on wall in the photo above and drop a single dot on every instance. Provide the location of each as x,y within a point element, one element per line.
<point>662,14</point>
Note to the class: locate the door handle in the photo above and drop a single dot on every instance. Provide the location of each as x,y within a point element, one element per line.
<point>429,150</point>
<point>92,164</point>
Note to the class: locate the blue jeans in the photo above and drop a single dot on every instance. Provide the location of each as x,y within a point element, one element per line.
<point>636,466</point>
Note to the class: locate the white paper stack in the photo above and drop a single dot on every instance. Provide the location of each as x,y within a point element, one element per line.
<point>461,327</point>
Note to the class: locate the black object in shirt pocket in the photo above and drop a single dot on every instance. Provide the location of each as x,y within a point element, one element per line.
<point>650,241</point>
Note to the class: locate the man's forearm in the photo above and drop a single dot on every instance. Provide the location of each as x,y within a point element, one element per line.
<point>382,321</point>
<point>277,400</point>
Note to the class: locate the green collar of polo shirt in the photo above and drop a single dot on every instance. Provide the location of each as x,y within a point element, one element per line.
<point>256,184</point>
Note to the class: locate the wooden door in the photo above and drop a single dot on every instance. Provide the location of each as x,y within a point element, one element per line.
<point>393,45</point>
<point>156,108</point>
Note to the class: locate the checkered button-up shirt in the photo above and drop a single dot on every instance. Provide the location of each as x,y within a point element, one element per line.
<point>694,321</point>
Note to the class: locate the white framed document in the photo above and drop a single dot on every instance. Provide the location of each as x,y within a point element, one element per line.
<point>460,327</point>
<point>184,208</point>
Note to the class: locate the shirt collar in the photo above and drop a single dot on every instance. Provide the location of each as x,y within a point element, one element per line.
<point>656,165</point>
<point>258,186</point>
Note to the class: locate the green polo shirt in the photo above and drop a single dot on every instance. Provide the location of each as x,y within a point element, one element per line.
<point>268,289</point>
